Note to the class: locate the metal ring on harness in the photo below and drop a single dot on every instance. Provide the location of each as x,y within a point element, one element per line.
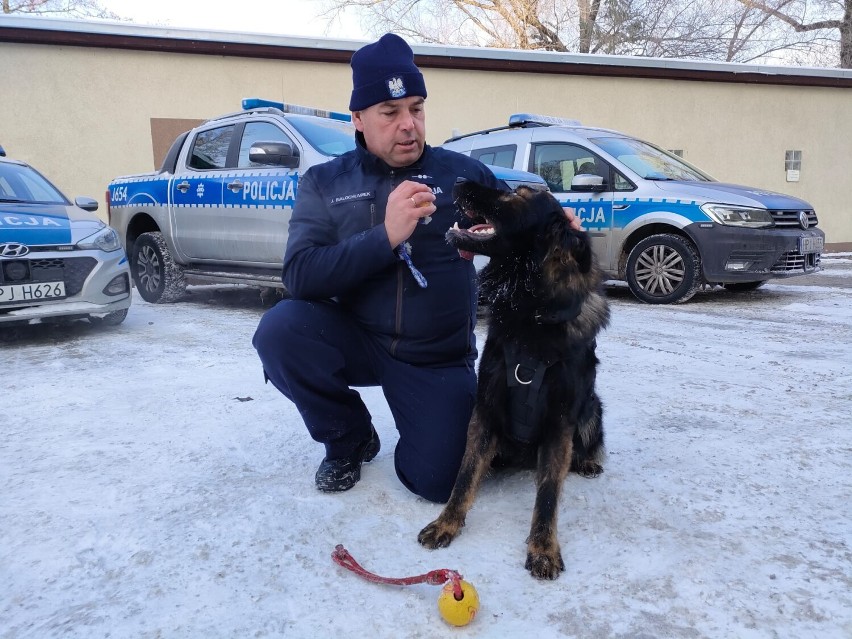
<point>520,381</point>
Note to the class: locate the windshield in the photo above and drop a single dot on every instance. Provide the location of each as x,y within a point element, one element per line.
<point>650,162</point>
<point>23,184</point>
<point>329,137</point>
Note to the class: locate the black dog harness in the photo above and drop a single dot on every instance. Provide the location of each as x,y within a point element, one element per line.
<point>525,375</point>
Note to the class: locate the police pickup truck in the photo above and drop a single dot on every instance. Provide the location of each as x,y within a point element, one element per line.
<point>218,209</point>
<point>663,225</point>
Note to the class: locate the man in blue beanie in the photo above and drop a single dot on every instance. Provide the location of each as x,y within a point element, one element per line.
<point>378,296</point>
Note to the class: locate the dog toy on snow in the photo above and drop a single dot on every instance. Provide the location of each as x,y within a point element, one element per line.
<point>457,603</point>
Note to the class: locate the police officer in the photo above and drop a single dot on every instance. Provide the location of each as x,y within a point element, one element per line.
<point>378,296</point>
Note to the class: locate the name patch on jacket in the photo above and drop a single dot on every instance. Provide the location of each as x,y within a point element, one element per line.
<point>352,197</point>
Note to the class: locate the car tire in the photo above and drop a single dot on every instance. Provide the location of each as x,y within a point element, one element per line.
<point>156,276</point>
<point>110,319</point>
<point>741,287</point>
<point>664,269</point>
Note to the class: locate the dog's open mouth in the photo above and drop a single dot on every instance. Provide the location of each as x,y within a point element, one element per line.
<point>474,234</point>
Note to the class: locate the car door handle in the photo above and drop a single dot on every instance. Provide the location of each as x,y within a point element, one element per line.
<point>183,187</point>
<point>620,207</point>
<point>236,186</point>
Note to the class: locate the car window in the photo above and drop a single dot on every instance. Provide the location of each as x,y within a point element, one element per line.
<point>559,163</point>
<point>329,137</point>
<point>496,155</point>
<point>260,132</point>
<point>621,183</point>
<point>22,184</point>
<point>210,148</point>
<point>650,162</point>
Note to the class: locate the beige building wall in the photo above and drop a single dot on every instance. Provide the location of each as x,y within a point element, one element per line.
<point>85,115</point>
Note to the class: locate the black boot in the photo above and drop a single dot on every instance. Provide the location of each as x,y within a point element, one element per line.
<point>337,475</point>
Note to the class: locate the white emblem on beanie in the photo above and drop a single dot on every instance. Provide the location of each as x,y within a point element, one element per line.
<point>396,87</point>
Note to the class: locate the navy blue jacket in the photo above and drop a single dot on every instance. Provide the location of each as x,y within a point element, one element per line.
<point>338,248</point>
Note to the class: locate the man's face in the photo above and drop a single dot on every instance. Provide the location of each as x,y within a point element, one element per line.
<point>395,130</point>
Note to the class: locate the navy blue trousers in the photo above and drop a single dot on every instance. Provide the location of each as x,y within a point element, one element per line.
<point>314,353</point>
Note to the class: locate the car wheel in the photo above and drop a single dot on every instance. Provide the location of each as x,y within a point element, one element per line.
<point>664,269</point>
<point>110,319</point>
<point>739,287</point>
<point>155,274</point>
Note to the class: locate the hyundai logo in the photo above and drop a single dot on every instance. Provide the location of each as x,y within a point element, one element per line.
<point>803,219</point>
<point>13,250</point>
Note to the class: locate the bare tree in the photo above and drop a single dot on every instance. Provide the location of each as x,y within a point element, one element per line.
<point>814,16</point>
<point>730,30</point>
<point>59,8</point>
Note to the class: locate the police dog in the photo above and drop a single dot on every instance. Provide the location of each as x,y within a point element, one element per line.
<point>536,404</point>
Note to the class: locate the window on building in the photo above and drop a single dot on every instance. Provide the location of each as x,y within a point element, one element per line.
<point>793,161</point>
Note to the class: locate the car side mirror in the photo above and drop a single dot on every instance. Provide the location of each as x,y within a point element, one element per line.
<point>274,154</point>
<point>588,183</point>
<point>86,203</point>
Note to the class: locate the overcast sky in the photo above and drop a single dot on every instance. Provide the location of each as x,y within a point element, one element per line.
<point>281,17</point>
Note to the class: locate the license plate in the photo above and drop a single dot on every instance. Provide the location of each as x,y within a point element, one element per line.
<point>31,292</point>
<point>811,243</point>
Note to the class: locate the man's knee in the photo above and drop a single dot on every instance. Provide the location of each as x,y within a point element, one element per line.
<point>431,481</point>
<point>277,325</point>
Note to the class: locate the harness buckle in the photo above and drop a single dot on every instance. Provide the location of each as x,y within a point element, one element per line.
<point>519,380</point>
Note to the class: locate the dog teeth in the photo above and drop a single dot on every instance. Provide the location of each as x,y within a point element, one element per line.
<point>475,231</point>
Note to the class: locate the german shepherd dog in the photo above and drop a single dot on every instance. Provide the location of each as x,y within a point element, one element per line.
<point>536,404</point>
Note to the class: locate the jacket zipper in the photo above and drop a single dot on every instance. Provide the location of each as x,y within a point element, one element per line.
<point>399,287</point>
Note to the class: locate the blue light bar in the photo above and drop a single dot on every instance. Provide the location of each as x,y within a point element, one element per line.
<point>258,103</point>
<point>519,119</point>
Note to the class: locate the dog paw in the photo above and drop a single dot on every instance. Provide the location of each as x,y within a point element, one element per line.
<point>544,565</point>
<point>437,535</point>
<point>588,468</point>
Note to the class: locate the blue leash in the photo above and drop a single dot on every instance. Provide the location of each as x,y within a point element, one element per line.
<point>403,253</point>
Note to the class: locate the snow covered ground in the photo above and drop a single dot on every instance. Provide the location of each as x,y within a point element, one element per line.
<point>153,486</point>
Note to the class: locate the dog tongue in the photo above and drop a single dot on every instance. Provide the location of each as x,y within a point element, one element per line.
<point>466,255</point>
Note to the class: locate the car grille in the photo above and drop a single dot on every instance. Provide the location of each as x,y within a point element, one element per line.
<point>749,256</point>
<point>794,261</point>
<point>788,219</point>
<point>71,270</point>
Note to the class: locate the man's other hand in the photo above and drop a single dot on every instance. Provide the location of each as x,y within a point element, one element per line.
<point>573,219</point>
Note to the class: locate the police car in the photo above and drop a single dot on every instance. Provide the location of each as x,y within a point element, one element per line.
<point>659,223</point>
<point>57,259</point>
<point>218,209</point>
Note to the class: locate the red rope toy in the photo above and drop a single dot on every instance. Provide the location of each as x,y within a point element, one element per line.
<point>438,577</point>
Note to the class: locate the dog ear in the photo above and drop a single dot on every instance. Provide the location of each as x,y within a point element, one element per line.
<point>571,246</point>
<point>581,249</point>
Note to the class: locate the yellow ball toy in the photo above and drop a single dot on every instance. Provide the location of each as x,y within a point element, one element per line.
<point>458,612</point>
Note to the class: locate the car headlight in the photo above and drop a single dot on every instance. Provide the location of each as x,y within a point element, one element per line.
<point>738,215</point>
<point>106,240</point>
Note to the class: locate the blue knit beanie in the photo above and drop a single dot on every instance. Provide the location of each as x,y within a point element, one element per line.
<point>384,70</point>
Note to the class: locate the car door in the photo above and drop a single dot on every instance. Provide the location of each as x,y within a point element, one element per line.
<point>558,163</point>
<point>196,195</point>
<point>259,200</point>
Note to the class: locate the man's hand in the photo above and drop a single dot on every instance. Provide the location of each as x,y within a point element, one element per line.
<point>407,204</point>
<point>575,222</point>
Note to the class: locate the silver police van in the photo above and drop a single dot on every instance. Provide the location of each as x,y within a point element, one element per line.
<point>659,223</point>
